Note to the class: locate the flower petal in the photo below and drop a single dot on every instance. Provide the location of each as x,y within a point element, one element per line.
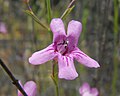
<point>87,94</point>
<point>66,67</point>
<point>73,32</point>
<point>57,27</point>
<point>84,88</point>
<point>84,59</point>
<point>43,55</point>
<point>30,88</point>
<point>94,92</point>
<point>3,28</point>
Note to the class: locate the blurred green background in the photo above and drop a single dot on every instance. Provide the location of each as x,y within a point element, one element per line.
<point>100,39</point>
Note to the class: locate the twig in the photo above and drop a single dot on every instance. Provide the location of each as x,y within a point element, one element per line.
<point>68,9</point>
<point>31,13</point>
<point>71,4</point>
<point>14,80</point>
<point>54,77</point>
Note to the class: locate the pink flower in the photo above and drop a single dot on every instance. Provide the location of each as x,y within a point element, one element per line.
<point>3,28</point>
<point>85,90</point>
<point>30,88</point>
<point>64,48</point>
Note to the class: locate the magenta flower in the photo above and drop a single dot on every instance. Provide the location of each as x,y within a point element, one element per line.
<point>3,28</point>
<point>30,88</point>
<point>64,48</point>
<point>85,90</point>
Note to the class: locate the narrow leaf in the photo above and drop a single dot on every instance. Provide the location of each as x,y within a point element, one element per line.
<point>30,13</point>
<point>67,12</point>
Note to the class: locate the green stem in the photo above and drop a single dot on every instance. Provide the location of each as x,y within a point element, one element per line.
<point>54,77</point>
<point>49,16</point>
<point>31,13</point>
<point>57,91</point>
<point>115,72</point>
<point>68,10</point>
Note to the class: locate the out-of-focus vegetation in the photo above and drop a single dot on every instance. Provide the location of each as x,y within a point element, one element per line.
<point>100,39</point>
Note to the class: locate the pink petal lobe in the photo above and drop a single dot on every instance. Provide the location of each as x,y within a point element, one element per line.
<point>66,67</point>
<point>94,91</point>
<point>3,28</point>
<point>43,55</point>
<point>87,94</point>
<point>73,31</point>
<point>84,59</point>
<point>30,88</point>
<point>57,27</point>
<point>84,88</point>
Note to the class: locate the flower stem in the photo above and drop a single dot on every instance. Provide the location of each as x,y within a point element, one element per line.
<point>49,17</point>
<point>57,91</point>
<point>31,13</point>
<point>48,10</point>
<point>69,9</point>
<point>54,77</point>
<point>14,80</point>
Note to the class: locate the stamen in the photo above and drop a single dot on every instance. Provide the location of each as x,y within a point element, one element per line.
<point>62,47</point>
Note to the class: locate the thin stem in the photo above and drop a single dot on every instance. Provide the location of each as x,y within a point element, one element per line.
<point>29,8</point>
<point>71,4</point>
<point>69,9</point>
<point>57,90</point>
<point>31,13</point>
<point>53,69</point>
<point>49,16</point>
<point>15,81</point>
<point>55,77</point>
